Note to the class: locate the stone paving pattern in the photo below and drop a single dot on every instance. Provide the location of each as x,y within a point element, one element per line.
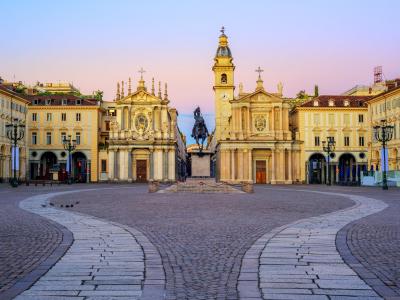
<point>104,259</point>
<point>202,239</point>
<point>372,244</point>
<point>26,240</point>
<point>300,260</point>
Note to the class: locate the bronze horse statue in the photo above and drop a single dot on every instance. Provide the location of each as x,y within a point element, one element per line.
<point>199,131</point>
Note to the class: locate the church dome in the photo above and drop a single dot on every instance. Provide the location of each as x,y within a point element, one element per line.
<point>223,48</point>
<point>223,51</point>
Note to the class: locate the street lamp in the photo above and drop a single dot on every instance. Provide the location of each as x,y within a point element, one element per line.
<point>383,133</point>
<point>15,132</point>
<point>328,146</point>
<point>69,145</point>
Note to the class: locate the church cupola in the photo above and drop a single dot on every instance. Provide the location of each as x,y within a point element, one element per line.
<point>223,48</point>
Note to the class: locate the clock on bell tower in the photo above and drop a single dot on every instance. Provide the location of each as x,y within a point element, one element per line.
<point>223,86</point>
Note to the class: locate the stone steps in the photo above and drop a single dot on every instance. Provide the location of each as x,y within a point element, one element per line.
<point>193,185</point>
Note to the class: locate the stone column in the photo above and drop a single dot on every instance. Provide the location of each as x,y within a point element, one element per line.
<point>165,164</point>
<point>290,165</point>
<point>171,163</point>
<point>248,121</point>
<point>283,165</point>
<point>123,163</point>
<point>273,169</point>
<point>151,164</point>
<point>281,118</point>
<point>111,159</point>
<point>130,160</point>
<point>240,167</point>
<point>250,162</point>
<point>273,118</point>
<point>232,164</point>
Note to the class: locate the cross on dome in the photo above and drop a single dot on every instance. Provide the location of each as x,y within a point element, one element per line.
<point>259,71</point>
<point>141,71</point>
<point>222,30</point>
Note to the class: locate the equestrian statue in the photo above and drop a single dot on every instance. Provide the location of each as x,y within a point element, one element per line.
<point>199,131</point>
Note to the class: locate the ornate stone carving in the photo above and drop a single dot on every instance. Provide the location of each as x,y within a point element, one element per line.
<point>260,123</point>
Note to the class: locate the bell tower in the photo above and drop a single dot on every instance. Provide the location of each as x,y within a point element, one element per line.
<point>223,86</point>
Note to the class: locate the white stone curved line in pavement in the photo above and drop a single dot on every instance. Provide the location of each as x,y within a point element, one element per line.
<point>105,261</point>
<point>300,260</point>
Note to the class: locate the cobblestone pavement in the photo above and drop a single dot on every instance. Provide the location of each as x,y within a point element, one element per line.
<point>372,245</point>
<point>104,259</point>
<point>202,239</point>
<point>26,240</point>
<point>300,260</point>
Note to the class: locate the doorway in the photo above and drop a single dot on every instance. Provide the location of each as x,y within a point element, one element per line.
<point>141,170</point>
<point>261,171</point>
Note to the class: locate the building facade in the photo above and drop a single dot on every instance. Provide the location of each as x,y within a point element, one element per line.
<point>12,108</point>
<point>343,118</point>
<point>252,139</point>
<point>385,106</point>
<point>145,143</point>
<point>52,118</point>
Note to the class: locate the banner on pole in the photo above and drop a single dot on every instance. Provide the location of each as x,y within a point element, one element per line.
<point>15,158</point>
<point>384,155</point>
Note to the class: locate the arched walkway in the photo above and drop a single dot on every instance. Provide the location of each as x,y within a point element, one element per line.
<point>47,162</point>
<point>79,167</point>
<point>316,169</point>
<point>347,168</point>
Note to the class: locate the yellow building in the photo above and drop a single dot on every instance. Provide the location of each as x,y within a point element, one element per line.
<point>50,119</point>
<point>145,142</point>
<point>252,139</point>
<point>344,118</point>
<point>12,108</point>
<point>55,88</point>
<point>385,106</point>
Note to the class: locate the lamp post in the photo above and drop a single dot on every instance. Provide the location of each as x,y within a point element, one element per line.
<point>383,133</point>
<point>70,146</point>
<point>15,133</point>
<point>328,146</point>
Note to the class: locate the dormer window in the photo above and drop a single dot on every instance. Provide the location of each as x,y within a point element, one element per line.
<point>331,103</point>
<point>78,102</point>
<point>48,101</point>
<point>64,102</point>
<point>346,103</point>
<point>35,102</point>
<point>316,103</point>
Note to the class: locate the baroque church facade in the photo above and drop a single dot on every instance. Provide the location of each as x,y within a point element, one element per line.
<point>252,140</point>
<point>145,143</point>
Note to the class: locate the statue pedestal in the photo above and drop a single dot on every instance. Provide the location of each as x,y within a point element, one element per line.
<point>200,163</point>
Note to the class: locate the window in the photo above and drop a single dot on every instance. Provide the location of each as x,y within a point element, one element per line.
<point>361,118</point>
<point>103,165</point>
<point>346,119</point>
<point>78,117</point>
<point>34,138</point>
<point>361,141</point>
<point>316,103</point>
<point>48,101</point>
<point>34,117</point>
<point>331,138</point>
<point>78,138</point>
<point>224,78</point>
<point>64,117</point>
<point>35,102</point>
<point>347,141</point>
<point>346,103</point>
<point>107,125</point>
<point>64,102</point>
<point>78,102</point>
<point>316,119</point>
<point>48,138</point>
<point>331,103</point>
<point>331,119</point>
<point>63,136</point>
<point>316,140</point>
<point>48,117</point>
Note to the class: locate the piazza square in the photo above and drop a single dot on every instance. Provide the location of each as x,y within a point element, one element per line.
<point>214,152</point>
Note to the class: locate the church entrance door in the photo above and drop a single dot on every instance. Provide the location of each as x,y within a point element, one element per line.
<point>261,176</point>
<point>141,170</point>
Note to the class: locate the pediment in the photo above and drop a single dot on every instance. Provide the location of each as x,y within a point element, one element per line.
<point>259,96</point>
<point>138,97</point>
